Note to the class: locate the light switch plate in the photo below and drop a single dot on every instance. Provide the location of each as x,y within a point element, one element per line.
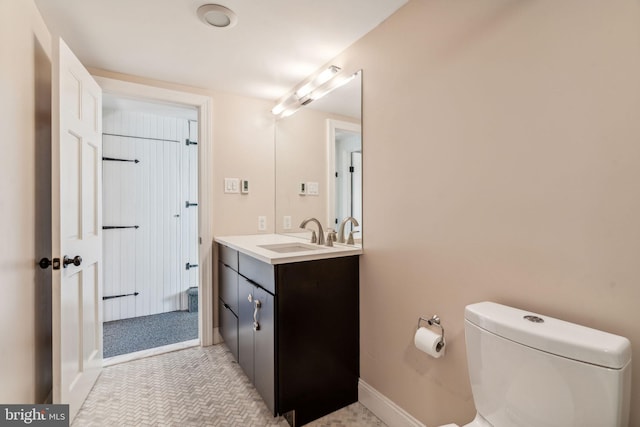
<point>312,188</point>
<point>232,185</point>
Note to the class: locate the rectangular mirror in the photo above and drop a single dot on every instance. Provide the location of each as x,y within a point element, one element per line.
<point>319,163</point>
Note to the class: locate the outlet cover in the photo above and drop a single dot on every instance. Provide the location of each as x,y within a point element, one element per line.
<point>286,222</point>
<point>262,223</point>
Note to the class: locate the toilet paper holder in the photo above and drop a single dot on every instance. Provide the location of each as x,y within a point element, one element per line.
<point>434,321</point>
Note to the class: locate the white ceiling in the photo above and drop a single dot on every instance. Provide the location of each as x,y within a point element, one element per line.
<point>275,45</point>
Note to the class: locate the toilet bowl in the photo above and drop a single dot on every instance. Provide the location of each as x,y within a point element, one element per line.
<point>531,370</point>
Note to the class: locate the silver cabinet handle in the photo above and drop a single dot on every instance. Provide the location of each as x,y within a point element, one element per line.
<point>256,325</point>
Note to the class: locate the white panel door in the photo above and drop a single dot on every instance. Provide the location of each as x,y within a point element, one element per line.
<point>77,230</point>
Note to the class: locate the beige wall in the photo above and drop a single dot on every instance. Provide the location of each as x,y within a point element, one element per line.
<point>518,124</point>
<point>25,221</point>
<point>243,148</point>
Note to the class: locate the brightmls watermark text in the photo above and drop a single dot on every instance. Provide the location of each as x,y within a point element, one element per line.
<point>34,415</point>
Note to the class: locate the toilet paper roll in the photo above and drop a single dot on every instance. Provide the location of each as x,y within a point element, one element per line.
<point>426,340</point>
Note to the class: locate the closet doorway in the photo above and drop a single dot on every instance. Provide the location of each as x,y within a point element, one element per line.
<point>150,226</point>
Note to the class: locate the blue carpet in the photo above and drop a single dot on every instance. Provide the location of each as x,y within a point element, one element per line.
<point>141,333</point>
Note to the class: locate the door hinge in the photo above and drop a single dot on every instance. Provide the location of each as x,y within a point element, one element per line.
<point>352,169</point>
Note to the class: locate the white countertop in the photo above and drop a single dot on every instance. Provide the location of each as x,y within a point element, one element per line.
<point>250,245</point>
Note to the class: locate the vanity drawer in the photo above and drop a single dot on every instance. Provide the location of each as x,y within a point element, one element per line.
<point>229,328</point>
<point>257,271</point>
<point>228,256</point>
<point>228,285</point>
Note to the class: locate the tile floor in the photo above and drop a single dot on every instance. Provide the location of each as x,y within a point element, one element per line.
<point>192,387</point>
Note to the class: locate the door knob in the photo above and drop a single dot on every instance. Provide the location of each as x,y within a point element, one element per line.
<point>44,263</point>
<point>76,260</point>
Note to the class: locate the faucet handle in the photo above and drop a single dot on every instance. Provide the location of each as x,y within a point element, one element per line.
<point>331,237</point>
<point>314,237</point>
<point>350,240</point>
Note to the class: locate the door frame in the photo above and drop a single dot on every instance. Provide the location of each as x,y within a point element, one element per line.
<point>204,105</point>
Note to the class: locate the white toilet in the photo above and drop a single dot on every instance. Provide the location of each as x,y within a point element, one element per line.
<point>529,370</point>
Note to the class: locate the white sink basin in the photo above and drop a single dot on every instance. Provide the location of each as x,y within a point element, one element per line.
<point>285,248</point>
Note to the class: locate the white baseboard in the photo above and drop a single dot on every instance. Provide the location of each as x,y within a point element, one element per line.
<point>383,408</point>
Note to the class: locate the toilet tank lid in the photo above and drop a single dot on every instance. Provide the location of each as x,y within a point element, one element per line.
<point>552,335</point>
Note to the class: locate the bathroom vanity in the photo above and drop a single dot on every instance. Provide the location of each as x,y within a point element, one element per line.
<point>288,312</point>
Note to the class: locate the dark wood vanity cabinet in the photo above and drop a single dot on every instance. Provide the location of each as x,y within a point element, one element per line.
<point>228,297</point>
<point>300,346</point>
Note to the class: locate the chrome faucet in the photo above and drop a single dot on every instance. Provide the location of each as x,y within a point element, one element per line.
<point>320,239</point>
<point>341,229</point>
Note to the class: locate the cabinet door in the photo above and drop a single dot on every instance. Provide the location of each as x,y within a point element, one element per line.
<point>245,326</point>
<point>229,328</point>
<point>318,336</point>
<point>264,348</point>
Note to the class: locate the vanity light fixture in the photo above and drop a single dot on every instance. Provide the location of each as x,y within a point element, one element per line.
<point>318,81</point>
<point>327,88</point>
<point>314,88</point>
<point>291,102</point>
<point>217,16</point>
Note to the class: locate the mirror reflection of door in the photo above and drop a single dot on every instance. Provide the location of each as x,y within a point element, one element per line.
<point>348,196</point>
<point>356,189</point>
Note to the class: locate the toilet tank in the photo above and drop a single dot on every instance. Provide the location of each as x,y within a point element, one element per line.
<point>530,370</point>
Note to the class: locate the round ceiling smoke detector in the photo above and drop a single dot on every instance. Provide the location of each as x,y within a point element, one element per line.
<point>217,16</point>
